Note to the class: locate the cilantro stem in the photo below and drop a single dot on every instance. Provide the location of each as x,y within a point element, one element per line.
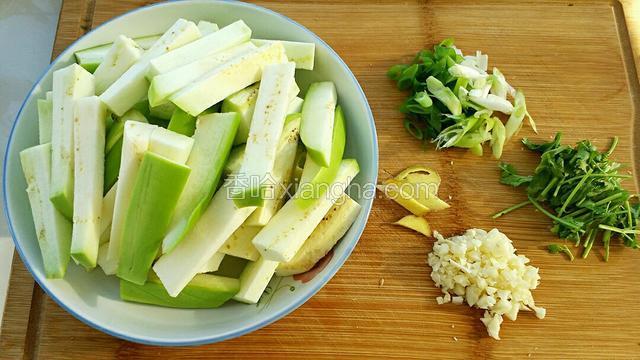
<point>597,203</point>
<point>577,213</point>
<point>606,239</point>
<point>568,252</point>
<point>621,176</point>
<point>556,248</point>
<point>614,143</point>
<point>618,230</point>
<point>631,241</point>
<point>586,216</point>
<point>609,198</point>
<point>510,209</point>
<point>588,244</point>
<point>558,187</point>
<point>548,187</point>
<point>574,192</point>
<point>553,217</point>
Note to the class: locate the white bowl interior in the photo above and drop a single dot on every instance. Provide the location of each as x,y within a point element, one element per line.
<point>92,297</point>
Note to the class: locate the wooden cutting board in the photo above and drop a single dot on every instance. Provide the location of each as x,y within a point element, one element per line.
<point>574,61</point>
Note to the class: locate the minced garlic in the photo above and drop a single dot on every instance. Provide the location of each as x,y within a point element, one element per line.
<point>483,270</point>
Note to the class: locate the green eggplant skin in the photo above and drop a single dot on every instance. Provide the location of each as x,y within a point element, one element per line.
<point>182,123</point>
<point>157,187</point>
<point>203,292</point>
<point>112,165</point>
<point>213,137</point>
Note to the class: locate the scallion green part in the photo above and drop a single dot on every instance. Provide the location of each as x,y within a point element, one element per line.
<point>413,129</point>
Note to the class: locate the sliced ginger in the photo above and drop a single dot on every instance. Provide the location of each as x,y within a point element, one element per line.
<point>415,189</point>
<point>416,223</point>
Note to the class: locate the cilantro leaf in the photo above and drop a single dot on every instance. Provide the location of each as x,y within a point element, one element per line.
<point>510,176</point>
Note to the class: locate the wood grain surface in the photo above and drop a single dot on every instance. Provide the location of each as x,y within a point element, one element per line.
<point>574,61</point>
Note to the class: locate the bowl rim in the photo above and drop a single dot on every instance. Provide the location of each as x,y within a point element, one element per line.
<point>42,282</point>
